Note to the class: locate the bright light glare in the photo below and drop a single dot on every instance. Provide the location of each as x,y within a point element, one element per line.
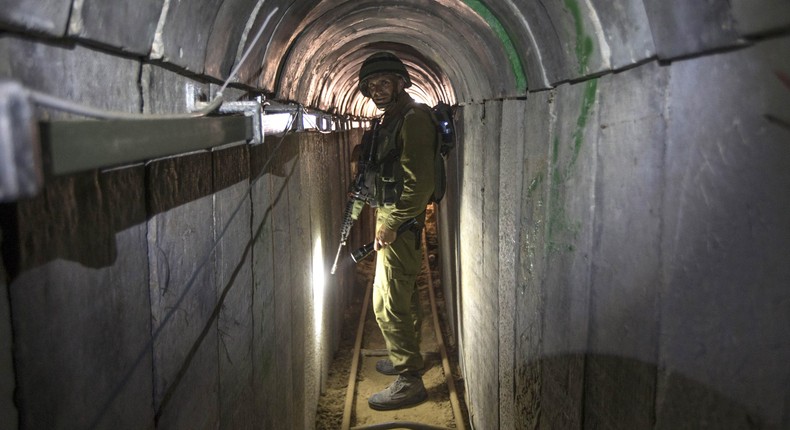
<point>276,123</point>
<point>309,121</point>
<point>420,96</point>
<point>319,281</point>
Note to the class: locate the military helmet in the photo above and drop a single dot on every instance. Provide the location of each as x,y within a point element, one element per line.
<point>381,62</point>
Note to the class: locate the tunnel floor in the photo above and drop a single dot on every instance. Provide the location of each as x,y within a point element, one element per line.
<point>437,411</point>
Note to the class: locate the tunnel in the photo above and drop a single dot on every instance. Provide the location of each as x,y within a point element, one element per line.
<point>614,239</point>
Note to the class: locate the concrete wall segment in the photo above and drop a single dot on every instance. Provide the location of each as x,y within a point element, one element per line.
<point>725,301</point>
<point>569,221</point>
<point>44,16</point>
<point>569,218</point>
<point>128,26</point>
<point>626,262</point>
<point>228,31</point>
<point>258,69</point>
<point>480,263</point>
<point>511,167</point>
<point>626,270</point>
<point>488,344</point>
<point>232,212</point>
<point>549,45</point>
<point>78,309</point>
<point>299,276</point>
<point>285,169</point>
<point>166,92</point>
<point>581,48</point>
<point>625,30</point>
<point>183,290</point>
<point>522,35</point>
<point>539,125</point>
<point>74,73</point>
<point>265,70</point>
<point>757,18</point>
<point>264,365</point>
<point>473,288</point>
<point>681,28</point>
<point>183,32</point>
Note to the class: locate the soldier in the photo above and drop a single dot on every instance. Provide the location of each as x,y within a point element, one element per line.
<point>405,147</point>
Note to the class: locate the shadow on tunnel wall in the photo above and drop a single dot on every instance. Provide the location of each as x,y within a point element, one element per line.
<point>99,220</point>
<point>574,391</point>
<point>77,217</point>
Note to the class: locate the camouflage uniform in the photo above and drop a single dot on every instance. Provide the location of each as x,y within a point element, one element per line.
<point>395,296</point>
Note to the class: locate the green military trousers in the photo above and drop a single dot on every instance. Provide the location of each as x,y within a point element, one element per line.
<point>396,300</point>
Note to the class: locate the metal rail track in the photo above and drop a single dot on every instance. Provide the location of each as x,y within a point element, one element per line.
<point>352,377</point>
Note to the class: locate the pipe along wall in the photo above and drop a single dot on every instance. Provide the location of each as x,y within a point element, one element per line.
<point>614,239</point>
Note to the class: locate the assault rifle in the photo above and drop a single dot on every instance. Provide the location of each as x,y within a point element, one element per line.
<point>361,189</point>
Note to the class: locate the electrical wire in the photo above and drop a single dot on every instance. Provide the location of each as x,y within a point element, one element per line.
<point>247,52</point>
<point>78,109</point>
<point>204,262</point>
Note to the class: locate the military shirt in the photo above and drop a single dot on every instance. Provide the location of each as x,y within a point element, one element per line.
<point>417,137</point>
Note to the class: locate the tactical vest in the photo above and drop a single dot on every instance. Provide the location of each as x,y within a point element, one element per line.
<point>383,179</point>
<point>385,174</point>
<point>388,182</point>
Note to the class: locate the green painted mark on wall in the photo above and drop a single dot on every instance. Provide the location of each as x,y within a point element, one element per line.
<point>590,90</point>
<point>507,42</point>
<point>584,43</point>
<point>558,221</point>
<point>534,184</point>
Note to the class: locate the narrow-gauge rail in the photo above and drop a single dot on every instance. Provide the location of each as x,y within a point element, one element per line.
<point>368,349</point>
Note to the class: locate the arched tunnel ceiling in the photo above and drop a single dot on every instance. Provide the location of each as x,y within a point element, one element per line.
<point>449,48</point>
<point>309,51</point>
<point>455,50</point>
<point>449,51</point>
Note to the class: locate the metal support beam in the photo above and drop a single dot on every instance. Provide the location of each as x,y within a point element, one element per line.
<point>73,146</point>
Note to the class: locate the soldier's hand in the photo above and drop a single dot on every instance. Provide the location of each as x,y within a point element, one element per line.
<point>384,237</point>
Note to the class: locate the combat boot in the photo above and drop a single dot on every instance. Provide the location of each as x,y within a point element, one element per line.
<point>407,390</point>
<point>385,367</point>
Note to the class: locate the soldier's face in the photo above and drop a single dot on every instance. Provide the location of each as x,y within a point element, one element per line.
<point>383,89</point>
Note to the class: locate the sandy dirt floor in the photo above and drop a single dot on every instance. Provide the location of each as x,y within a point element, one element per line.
<point>437,410</point>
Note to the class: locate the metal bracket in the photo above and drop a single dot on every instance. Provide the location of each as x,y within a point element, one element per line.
<point>252,109</point>
<point>21,173</point>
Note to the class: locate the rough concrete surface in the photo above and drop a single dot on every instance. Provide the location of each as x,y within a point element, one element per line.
<point>126,26</point>
<point>511,165</point>
<point>476,249</point>
<point>649,233</point>
<point>530,272</point>
<point>232,209</point>
<point>724,308</point>
<point>77,307</point>
<point>44,16</point>
<point>183,291</point>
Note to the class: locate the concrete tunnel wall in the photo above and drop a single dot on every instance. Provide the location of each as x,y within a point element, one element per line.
<point>123,310</point>
<point>613,240</point>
